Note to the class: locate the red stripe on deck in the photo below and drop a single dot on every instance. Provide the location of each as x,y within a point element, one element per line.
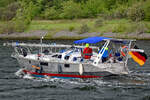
<point>62,75</point>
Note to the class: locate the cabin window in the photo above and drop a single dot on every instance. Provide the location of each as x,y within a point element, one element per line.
<point>55,55</point>
<point>59,56</point>
<point>44,63</point>
<point>24,52</point>
<point>67,65</point>
<point>46,52</point>
<point>18,50</point>
<point>67,57</point>
<point>75,59</point>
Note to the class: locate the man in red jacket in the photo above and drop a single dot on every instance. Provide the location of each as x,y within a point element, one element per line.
<point>87,52</point>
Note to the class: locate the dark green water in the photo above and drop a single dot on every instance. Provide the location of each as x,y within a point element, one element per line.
<point>129,87</point>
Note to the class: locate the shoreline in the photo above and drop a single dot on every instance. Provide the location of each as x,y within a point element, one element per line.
<point>36,35</point>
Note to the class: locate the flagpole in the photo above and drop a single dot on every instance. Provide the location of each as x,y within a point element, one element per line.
<point>129,46</point>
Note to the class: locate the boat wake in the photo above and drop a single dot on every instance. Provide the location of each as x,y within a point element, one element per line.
<point>133,79</point>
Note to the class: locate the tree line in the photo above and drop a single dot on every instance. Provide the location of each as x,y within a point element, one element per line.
<point>21,12</point>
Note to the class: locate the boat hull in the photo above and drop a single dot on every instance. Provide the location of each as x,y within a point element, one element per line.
<point>57,75</point>
<point>69,70</point>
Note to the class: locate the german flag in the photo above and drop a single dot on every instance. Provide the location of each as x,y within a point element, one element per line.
<point>138,57</point>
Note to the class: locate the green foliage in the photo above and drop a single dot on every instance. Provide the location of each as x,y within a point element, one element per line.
<point>108,25</point>
<point>29,10</point>
<point>9,11</point>
<point>147,10</point>
<point>136,12</point>
<point>21,12</point>
<point>109,4</point>
<point>24,15</point>
<point>5,3</point>
<point>141,28</point>
<point>92,8</point>
<point>57,4</point>
<point>148,27</point>
<point>50,13</point>
<point>99,22</point>
<point>120,11</point>
<point>20,25</point>
<point>120,28</point>
<point>7,27</point>
<point>13,26</point>
<point>71,28</point>
<point>71,10</point>
<point>84,28</point>
<point>131,27</point>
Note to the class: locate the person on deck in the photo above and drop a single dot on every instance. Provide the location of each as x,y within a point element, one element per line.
<point>87,52</point>
<point>105,54</point>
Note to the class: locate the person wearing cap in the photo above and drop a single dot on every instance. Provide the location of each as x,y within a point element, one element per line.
<point>87,52</point>
<point>105,54</point>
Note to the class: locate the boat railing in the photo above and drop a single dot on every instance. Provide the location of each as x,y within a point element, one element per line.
<point>14,44</point>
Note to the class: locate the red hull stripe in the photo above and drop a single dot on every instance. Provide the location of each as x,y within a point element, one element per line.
<point>62,75</point>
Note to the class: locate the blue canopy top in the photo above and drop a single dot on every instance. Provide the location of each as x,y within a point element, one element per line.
<point>91,40</point>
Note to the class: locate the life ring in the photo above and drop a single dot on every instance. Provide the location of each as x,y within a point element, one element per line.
<point>123,49</point>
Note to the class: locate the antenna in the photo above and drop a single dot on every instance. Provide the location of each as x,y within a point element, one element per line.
<point>41,39</point>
